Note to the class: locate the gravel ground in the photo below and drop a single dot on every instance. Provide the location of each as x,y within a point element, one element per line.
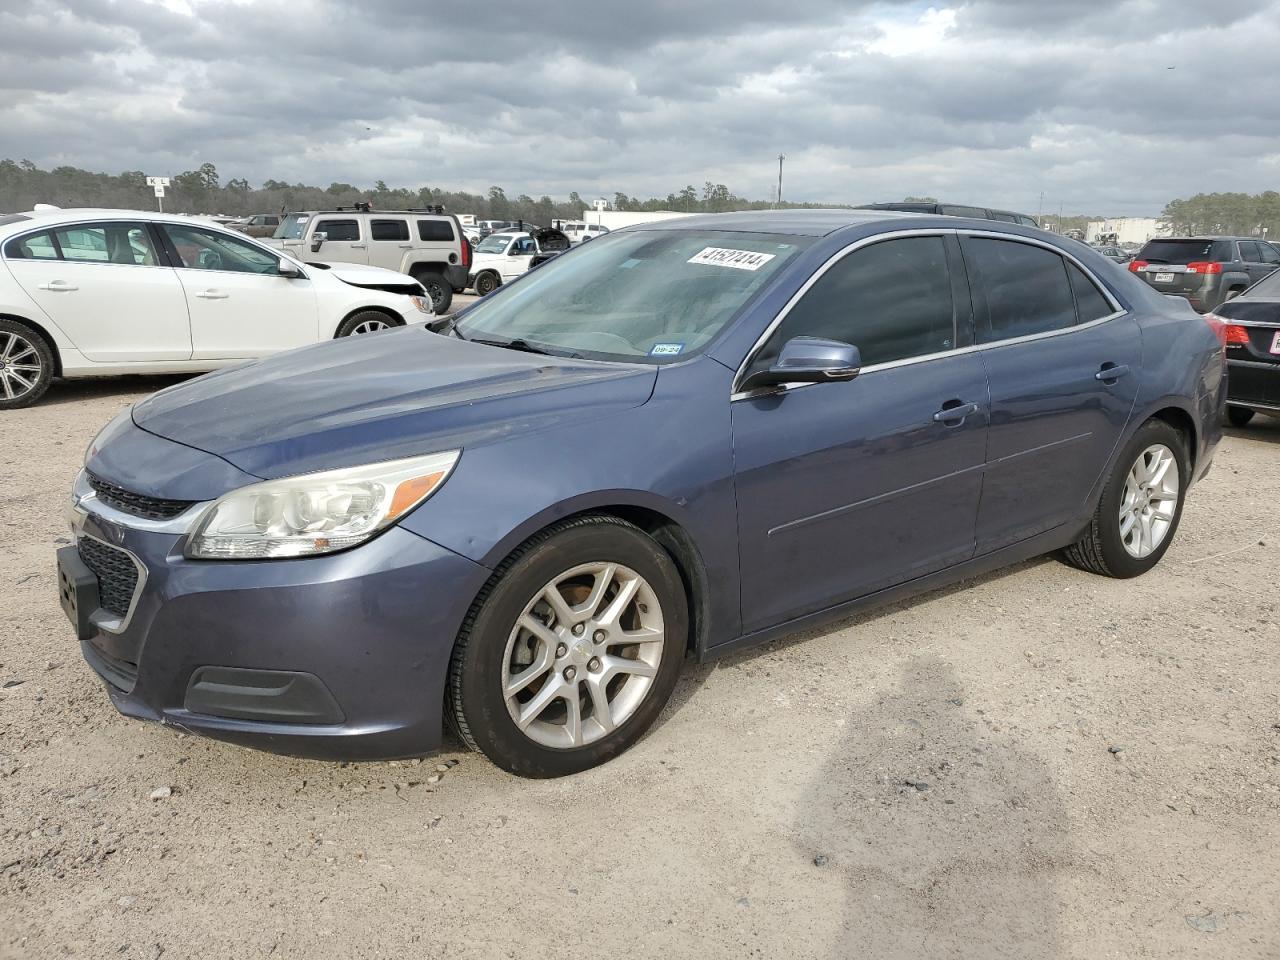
<point>1042,763</point>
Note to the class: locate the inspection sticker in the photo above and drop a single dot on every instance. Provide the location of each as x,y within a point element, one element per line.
<point>665,349</point>
<point>738,259</point>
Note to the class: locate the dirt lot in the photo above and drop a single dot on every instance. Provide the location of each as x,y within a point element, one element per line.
<point>1041,764</point>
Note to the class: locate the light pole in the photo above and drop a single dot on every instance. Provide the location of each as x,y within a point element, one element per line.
<point>779,200</point>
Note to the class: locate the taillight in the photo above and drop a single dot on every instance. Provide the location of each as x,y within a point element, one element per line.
<point>1136,265</point>
<point>466,253</point>
<point>1235,334</point>
<point>1204,266</point>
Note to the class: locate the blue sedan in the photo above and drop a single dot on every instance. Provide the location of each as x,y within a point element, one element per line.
<point>684,438</point>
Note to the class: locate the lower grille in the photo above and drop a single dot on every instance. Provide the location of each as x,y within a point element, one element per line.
<point>137,504</point>
<point>116,572</point>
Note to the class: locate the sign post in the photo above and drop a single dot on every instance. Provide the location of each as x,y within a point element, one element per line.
<point>158,183</point>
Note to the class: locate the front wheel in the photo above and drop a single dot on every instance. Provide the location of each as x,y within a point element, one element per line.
<point>571,650</point>
<point>366,321</point>
<point>1239,416</point>
<point>486,283</point>
<point>1140,506</point>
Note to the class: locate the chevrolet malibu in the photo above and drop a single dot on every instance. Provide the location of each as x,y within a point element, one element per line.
<point>684,438</point>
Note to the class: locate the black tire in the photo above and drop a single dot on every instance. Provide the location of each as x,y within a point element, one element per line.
<point>438,289</point>
<point>351,325</point>
<point>1239,416</point>
<point>476,705</point>
<point>1100,549</point>
<point>486,283</point>
<point>22,348</point>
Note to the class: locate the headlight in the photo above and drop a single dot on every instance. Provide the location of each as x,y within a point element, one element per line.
<point>422,303</point>
<point>316,512</point>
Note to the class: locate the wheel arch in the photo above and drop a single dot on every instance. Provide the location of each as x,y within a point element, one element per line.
<point>43,333</point>
<point>1182,421</point>
<point>398,320</point>
<point>658,523</point>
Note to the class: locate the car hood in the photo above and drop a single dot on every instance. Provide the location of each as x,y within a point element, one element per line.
<point>487,260</point>
<point>380,397</point>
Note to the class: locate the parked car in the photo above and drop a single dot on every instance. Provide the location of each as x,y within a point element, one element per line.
<point>87,293</point>
<point>675,439</point>
<point>1206,271</point>
<point>1251,330</point>
<point>578,232</point>
<point>427,244</point>
<point>501,257</point>
<point>1114,254</point>
<point>957,210</point>
<point>258,225</point>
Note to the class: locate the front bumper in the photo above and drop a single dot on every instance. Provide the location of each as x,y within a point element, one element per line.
<point>334,657</point>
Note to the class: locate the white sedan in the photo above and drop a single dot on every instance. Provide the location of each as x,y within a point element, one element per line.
<point>87,293</point>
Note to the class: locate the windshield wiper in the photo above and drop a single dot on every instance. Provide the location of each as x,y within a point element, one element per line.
<point>524,346</point>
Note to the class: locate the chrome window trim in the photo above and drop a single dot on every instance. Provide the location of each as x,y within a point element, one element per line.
<point>1261,324</point>
<point>843,252</point>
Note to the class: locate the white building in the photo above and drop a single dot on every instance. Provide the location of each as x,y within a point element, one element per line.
<point>617,219</point>
<point>1127,229</point>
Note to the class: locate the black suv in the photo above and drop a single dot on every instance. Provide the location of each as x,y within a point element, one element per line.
<point>1207,271</point>
<point>955,210</point>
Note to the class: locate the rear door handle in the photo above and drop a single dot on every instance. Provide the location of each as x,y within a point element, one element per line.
<point>357,246</point>
<point>212,295</point>
<point>58,286</point>
<point>406,246</point>
<point>1111,372</point>
<point>955,412</point>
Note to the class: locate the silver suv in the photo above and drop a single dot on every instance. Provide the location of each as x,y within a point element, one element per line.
<point>427,244</point>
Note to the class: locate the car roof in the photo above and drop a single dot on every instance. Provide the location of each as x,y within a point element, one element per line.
<point>803,223</point>
<point>53,217</point>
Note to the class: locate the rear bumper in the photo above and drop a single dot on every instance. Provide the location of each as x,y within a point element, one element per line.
<point>1253,384</point>
<point>336,657</point>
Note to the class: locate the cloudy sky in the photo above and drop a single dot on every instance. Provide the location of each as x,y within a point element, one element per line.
<point>1104,107</point>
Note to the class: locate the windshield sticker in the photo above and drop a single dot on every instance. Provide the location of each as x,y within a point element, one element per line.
<point>738,259</point>
<point>665,349</point>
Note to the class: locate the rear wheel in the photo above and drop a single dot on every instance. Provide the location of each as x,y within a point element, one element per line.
<point>26,365</point>
<point>1239,416</point>
<point>571,650</point>
<point>438,289</point>
<point>1140,506</point>
<point>366,321</point>
<point>486,283</point>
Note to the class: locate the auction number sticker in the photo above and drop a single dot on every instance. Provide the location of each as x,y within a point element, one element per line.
<point>737,259</point>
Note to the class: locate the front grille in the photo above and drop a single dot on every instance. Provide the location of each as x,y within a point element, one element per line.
<point>136,504</point>
<point>117,575</point>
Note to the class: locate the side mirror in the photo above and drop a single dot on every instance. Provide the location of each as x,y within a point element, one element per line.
<point>289,269</point>
<point>808,360</point>
<point>317,239</point>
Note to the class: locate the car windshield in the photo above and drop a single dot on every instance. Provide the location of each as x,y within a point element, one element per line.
<point>646,296</point>
<point>494,243</point>
<point>1184,251</point>
<point>292,228</point>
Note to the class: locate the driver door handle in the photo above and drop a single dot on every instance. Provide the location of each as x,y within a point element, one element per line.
<point>357,246</point>
<point>212,295</point>
<point>58,286</point>
<point>955,412</point>
<point>406,246</point>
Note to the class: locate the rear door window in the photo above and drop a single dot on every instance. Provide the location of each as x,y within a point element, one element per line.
<point>435,231</point>
<point>122,243</point>
<point>34,246</point>
<point>1249,251</point>
<point>1026,221</point>
<point>348,230</point>
<point>1090,303</point>
<point>1269,254</point>
<point>388,230</point>
<point>1026,288</point>
<point>1003,217</point>
<point>950,210</point>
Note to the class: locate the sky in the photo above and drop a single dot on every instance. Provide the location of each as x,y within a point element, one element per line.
<point>1109,108</point>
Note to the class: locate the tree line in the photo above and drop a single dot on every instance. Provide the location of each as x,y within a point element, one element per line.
<point>23,184</point>
<point>1234,214</point>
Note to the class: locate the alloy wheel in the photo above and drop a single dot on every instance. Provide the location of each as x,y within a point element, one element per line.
<point>370,326</point>
<point>1149,502</point>
<point>20,366</point>
<point>583,655</point>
